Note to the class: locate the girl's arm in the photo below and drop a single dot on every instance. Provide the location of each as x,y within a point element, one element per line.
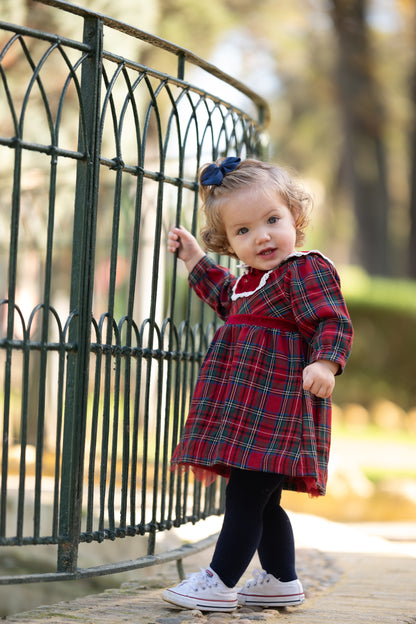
<point>323,320</point>
<point>186,245</point>
<point>210,281</point>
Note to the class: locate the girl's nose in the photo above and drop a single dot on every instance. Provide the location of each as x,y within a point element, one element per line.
<point>263,236</point>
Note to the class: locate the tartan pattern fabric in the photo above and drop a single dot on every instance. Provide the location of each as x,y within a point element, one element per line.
<point>249,409</point>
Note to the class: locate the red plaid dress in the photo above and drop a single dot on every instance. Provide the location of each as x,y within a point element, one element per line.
<point>249,409</point>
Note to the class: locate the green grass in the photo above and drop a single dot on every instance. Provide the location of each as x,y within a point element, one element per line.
<point>379,292</point>
<point>378,475</point>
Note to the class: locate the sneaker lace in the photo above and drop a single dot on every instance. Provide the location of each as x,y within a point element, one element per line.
<point>201,580</point>
<point>259,577</point>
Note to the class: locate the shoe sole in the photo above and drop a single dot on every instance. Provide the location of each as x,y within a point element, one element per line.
<point>187,602</point>
<point>271,601</point>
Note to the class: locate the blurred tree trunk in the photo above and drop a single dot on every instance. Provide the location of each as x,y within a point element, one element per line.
<point>364,156</point>
<point>412,235</point>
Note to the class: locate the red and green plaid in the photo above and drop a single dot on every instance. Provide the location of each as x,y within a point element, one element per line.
<point>249,409</point>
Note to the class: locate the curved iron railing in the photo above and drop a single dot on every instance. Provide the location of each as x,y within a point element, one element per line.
<point>101,339</point>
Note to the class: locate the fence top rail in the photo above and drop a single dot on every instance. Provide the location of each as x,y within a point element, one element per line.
<point>167,46</point>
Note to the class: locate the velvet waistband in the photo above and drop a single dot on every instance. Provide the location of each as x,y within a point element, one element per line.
<point>262,321</point>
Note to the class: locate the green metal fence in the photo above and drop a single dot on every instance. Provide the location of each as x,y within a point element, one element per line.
<point>100,337</point>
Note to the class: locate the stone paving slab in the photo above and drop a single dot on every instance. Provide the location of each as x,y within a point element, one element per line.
<point>349,578</point>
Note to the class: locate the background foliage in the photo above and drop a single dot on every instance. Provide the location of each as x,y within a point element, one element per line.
<point>381,366</point>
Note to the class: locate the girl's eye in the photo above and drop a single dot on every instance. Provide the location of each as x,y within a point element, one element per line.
<point>273,219</point>
<point>242,230</point>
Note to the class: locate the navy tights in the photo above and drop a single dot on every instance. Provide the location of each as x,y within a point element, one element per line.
<point>254,520</point>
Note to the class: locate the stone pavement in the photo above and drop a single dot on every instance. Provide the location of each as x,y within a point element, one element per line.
<point>349,577</point>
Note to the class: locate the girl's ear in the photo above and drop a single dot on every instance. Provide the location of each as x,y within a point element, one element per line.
<point>232,253</point>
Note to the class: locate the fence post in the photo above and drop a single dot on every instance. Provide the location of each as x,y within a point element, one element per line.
<point>82,279</point>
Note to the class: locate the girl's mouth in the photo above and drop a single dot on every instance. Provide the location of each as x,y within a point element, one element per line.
<point>267,252</point>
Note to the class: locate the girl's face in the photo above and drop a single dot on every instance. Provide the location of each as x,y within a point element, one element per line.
<point>260,228</point>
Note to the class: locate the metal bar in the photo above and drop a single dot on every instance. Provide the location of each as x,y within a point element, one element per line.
<point>58,442</point>
<point>23,446</point>
<point>181,66</point>
<point>81,298</point>
<point>50,150</point>
<point>45,36</point>
<point>93,436</point>
<point>12,276</point>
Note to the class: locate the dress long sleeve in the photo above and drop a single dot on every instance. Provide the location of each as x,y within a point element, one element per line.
<point>213,284</point>
<point>319,309</point>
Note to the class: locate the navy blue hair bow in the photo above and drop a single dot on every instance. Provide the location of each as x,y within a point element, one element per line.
<point>214,174</point>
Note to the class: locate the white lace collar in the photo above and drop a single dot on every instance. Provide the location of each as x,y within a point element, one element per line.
<point>297,254</point>
<point>262,282</point>
<point>265,276</point>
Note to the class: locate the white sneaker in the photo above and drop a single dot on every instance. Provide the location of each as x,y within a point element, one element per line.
<point>204,591</point>
<point>264,590</point>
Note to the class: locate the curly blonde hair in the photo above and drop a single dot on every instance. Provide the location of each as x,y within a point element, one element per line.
<point>271,179</point>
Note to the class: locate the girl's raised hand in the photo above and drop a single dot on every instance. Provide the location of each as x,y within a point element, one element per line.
<point>182,241</point>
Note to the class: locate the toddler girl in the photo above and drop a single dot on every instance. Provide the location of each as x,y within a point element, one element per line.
<point>261,410</point>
